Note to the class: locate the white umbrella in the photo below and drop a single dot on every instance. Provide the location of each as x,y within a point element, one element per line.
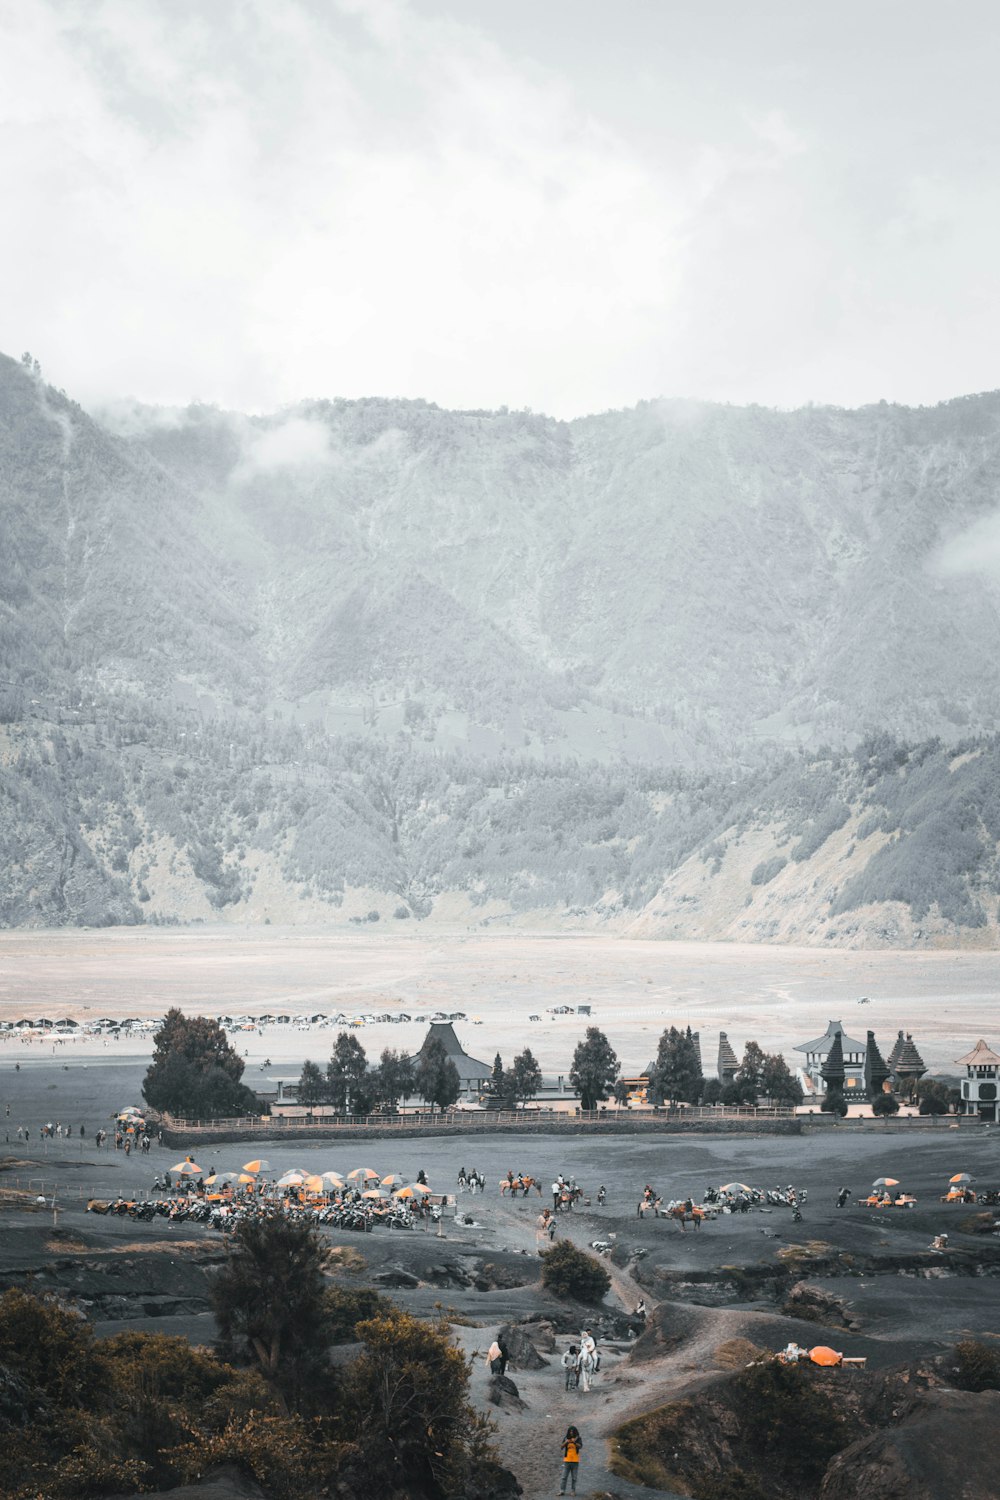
<point>332,1179</point>
<point>292,1179</point>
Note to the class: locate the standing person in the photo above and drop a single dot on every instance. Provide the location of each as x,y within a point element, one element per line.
<point>843,1196</point>
<point>556,1195</point>
<point>588,1358</point>
<point>570,1364</point>
<point>571,1447</point>
<point>494,1358</point>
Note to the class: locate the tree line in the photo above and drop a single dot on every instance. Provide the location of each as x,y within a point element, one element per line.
<point>196,1073</point>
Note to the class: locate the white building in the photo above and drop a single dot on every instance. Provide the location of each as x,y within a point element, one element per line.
<point>979,1086</point>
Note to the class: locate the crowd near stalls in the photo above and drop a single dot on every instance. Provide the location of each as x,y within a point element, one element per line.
<point>362,1200</point>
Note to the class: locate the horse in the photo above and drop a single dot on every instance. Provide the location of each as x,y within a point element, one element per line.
<point>520,1184</point>
<point>587,1364</point>
<point>684,1215</point>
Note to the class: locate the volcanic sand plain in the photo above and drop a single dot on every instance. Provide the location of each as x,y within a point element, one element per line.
<point>778,996</point>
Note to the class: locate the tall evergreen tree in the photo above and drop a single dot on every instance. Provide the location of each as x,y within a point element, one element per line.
<point>312,1084</point>
<point>270,1296</point>
<point>437,1080</point>
<point>677,1076</point>
<point>594,1068</point>
<point>393,1079</point>
<point>526,1076</point>
<point>776,1081</point>
<point>347,1075</point>
<point>195,1072</point>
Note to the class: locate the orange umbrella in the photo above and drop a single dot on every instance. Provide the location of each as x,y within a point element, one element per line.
<point>372,1194</point>
<point>365,1172</point>
<point>257,1165</point>
<point>245,1180</point>
<point>962,1177</point>
<point>418,1187</point>
<point>824,1355</point>
<point>314,1184</point>
<point>406,1192</point>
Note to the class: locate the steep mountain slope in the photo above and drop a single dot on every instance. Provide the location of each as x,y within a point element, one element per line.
<point>102,577</point>
<point>376,657</point>
<point>731,574</point>
<point>165,818</point>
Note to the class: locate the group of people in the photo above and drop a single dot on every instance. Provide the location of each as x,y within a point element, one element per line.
<point>566,1191</point>
<point>473,1182</point>
<point>581,1362</point>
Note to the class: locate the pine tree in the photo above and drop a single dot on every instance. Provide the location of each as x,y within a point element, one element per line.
<point>312,1084</point>
<point>347,1075</point>
<point>526,1076</point>
<point>437,1081</point>
<point>594,1068</point>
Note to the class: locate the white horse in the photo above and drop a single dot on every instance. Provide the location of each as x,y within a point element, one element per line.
<point>587,1365</point>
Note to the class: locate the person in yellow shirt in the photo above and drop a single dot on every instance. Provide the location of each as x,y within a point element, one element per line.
<point>572,1444</point>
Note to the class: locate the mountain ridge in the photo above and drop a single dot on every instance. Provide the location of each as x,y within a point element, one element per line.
<point>378,652</point>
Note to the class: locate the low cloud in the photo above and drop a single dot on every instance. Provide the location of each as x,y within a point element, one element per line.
<point>296,444</point>
<point>974,550</point>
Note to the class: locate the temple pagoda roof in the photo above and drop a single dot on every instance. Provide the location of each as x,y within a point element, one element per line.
<point>468,1067</point>
<point>981,1055</point>
<point>908,1059</point>
<point>823,1043</point>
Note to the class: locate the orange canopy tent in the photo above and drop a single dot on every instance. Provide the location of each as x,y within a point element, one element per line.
<point>824,1355</point>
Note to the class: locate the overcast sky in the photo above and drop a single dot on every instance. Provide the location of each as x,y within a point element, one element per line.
<point>564,204</point>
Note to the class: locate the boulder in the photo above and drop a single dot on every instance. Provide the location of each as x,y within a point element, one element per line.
<point>520,1348</point>
<point>943,1449</point>
<point>396,1276</point>
<point>542,1334</point>
<point>494,1276</point>
<point>816,1305</point>
<point>502,1392</point>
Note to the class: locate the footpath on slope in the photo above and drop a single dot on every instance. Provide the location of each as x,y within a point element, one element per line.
<point>531,1440</point>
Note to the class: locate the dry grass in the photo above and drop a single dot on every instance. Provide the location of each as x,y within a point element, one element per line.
<point>68,1244</point>
<point>346,1258</point>
<point>807,1251</point>
<point>735,1353</point>
<point>157,1247</point>
<point>22,1200</point>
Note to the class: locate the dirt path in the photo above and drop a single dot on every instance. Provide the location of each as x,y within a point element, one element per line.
<point>531,1440</point>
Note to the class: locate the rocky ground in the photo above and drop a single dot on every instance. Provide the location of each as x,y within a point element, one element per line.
<point>865,1281</point>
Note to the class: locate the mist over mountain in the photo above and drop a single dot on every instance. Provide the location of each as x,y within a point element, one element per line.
<point>374,655</point>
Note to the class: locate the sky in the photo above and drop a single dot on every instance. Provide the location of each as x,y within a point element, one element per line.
<point>567,205</point>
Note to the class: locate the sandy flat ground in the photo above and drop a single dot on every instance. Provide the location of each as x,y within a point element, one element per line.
<point>779,996</point>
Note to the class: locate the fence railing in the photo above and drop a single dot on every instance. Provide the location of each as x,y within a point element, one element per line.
<point>471,1120</point>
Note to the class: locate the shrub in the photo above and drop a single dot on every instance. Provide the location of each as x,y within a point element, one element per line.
<point>834,1103</point>
<point>885,1105</point>
<point>933,1097</point>
<point>977,1366</point>
<point>765,872</point>
<point>569,1272</point>
<point>787,1420</point>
